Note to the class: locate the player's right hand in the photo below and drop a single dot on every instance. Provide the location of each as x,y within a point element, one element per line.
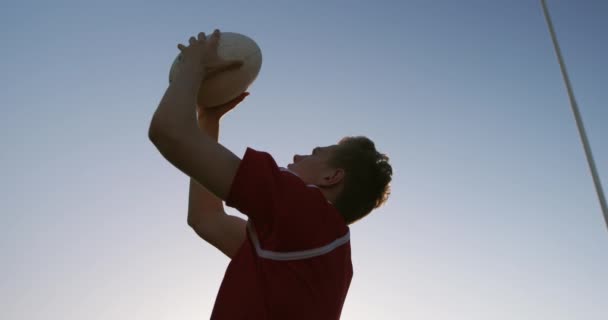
<point>216,113</point>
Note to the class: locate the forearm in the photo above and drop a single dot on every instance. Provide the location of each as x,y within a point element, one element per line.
<point>202,204</point>
<point>175,114</point>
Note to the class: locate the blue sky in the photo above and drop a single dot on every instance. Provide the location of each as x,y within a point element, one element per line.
<point>493,214</point>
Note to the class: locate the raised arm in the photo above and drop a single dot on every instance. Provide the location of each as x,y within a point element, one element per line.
<point>175,133</point>
<point>174,130</point>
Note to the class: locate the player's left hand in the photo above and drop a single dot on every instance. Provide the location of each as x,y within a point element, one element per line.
<point>200,57</point>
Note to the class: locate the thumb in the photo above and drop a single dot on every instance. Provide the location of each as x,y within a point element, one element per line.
<point>223,66</point>
<point>234,102</point>
<point>231,64</point>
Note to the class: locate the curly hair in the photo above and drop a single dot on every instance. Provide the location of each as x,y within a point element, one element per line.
<point>367,177</point>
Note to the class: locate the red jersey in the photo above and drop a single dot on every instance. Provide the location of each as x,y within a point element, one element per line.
<point>295,262</point>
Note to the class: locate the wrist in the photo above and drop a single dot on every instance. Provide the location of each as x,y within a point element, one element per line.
<point>207,121</point>
<point>210,126</point>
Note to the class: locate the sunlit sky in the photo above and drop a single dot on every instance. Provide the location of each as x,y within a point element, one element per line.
<point>493,214</point>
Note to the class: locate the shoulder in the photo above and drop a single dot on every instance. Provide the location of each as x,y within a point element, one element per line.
<point>307,220</point>
<point>255,160</point>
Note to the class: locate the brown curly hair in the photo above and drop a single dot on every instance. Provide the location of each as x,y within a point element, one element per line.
<point>367,177</point>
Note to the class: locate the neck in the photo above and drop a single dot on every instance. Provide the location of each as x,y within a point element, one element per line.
<point>330,193</point>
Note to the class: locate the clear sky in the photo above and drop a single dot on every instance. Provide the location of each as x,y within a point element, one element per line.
<point>493,214</point>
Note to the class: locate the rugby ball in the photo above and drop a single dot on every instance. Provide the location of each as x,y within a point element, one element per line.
<point>229,84</point>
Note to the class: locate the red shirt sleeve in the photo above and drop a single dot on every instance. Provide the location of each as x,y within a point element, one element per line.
<point>255,186</point>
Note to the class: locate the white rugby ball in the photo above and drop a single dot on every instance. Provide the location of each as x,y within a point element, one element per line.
<point>228,85</point>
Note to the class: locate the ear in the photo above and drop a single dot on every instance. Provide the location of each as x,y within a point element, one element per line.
<point>333,177</point>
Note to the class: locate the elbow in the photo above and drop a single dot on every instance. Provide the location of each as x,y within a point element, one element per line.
<point>191,222</point>
<point>164,133</point>
<point>197,227</point>
<point>155,131</point>
<point>194,220</point>
<point>160,135</point>
<point>159,127</point>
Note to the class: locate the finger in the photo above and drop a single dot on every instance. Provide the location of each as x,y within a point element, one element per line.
<point>232,103</point>
<point>231,65</point>
<point>212,71</point>
<point>236,100</point>
<point>202,37</point>
<point>240,98</point>
<point>215,38</point>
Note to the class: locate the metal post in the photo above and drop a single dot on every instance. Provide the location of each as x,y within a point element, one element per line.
<point>577,116</point>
